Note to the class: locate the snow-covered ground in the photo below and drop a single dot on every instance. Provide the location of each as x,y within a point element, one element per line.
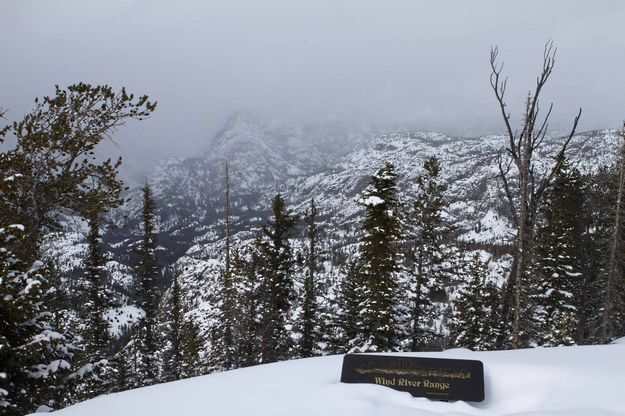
<point>571,381</point>
<point>122,318</point>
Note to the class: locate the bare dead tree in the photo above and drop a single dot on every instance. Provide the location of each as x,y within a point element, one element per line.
<point>615,263</point>
<point>525,195</point>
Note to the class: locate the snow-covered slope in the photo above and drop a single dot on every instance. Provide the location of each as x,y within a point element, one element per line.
<point>571,381</point>
<point>331,164</point>
<point>268,158</point>
<point>261,156</point>
<point>467,166</point>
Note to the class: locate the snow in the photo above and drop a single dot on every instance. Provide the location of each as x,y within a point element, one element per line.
<point>44,370</point>
<point>12,177</point>
<point>372,201</point>
<point>620,341</point>
<point>493,229</point>
<point>88,368</point>
<point>30,284</point>
<point>47,336</point>
<point>122,318</point>
<point>586,381</point>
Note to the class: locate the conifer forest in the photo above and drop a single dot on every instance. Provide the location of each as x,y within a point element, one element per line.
<point>287,241</point>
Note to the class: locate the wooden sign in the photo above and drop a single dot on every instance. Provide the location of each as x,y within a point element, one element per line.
<point>434,378</point>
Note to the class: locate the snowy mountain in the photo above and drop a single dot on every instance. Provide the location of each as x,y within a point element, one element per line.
<point>468,168</point>
<point>331,164</point>
<point>261,156</point>
<point>576,381</point>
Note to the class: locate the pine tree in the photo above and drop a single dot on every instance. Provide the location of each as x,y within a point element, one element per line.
<point>93,372</point>
<point>473,323</point>
<point>379,256</point>
<point>50,170</point>
<point>430,259</point>
<point>173,355</point>
<point>54,156</point>
<point>121,376</point>
<point>330,312</point>
<point>148,273</point>
<point>558,267</point>
<point>191,346</point>
<point>613,305</point>
<point>349,306</point>
<point>277,283</point>
<point>250,296</point>
<point>310,330</point>
<point>595,242</point>
<point>96,328</point>
<point>224,337</point>
<point>34,357</point>
<point>229,296</point>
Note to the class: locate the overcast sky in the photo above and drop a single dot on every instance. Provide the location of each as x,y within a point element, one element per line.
<point>364,62</point>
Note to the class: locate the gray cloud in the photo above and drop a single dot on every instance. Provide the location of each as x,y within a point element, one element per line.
<point>421,63</point>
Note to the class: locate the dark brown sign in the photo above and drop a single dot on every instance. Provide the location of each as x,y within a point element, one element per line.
<point>434,378</point>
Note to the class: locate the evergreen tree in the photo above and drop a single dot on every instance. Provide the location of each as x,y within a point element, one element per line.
<point>277,283</point>
<point>613,304</point>
<point>121,377</point>
<point>54,156</point>
<point>558,267</point>
<point>330,316</point>
<point>349,306</point>
<point>225,354</point>
<point>191,346</point>
<point>229,291</point>
<point>148,295</point>
<point>50,171</point>
<point>58,305</point>
<point>34,357</point>
<point>379,256</point>
<point>595,242</point>
<point>96,328</point>
<point>249,284</point>
<point>309,316</point>
<point>173,357</point>
<point>93,374</point>
<point>473,323</point>
<point>430,259</point>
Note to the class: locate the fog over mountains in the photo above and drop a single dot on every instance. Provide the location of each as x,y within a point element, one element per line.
<point>359,62</point>
<point>330,163</point>
<point>201,186</point>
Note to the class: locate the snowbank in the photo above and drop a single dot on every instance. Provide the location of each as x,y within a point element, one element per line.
<point>571,381</point>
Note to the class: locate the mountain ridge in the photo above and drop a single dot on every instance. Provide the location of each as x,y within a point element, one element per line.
<point>189,194</point>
